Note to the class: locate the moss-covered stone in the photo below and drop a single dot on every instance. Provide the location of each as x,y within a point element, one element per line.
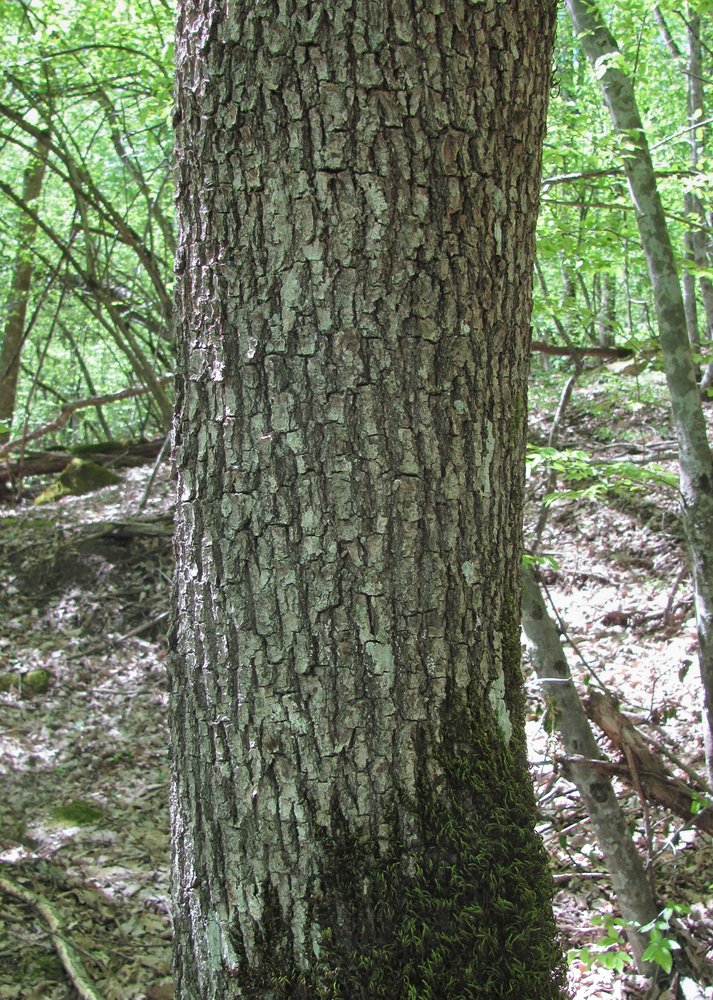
<point>78,813</point>
<point>460,907</point>
<point>37,681</point>
<point>32,683</point>
<point>10,681</point>
<point>79,477</point>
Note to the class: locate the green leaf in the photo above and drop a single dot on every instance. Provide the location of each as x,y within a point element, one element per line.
<point>659,951</point>
<point>615,959</point>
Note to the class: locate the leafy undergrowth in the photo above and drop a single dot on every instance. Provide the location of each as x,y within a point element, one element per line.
<point>83,808</point>
<point>619,584</point>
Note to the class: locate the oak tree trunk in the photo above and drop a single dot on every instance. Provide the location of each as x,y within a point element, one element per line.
<point>357,189</point>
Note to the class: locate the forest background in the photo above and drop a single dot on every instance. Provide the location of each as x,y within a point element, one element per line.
<point>86,268</point>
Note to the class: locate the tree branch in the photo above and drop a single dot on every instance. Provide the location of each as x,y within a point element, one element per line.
<point>80,404</point>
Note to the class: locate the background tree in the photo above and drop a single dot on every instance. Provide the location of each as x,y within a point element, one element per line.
<point>96,93</point>
<point>357,194</point>
<point>695,462</point>
<point>20,285</point>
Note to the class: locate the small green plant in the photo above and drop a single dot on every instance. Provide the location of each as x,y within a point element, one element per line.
<point>699,802</point>
<point>530,561</point>
<point>610,951</point>
<point>662,944</point>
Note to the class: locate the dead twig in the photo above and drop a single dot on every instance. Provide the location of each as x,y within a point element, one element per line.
<point>668,613</point>
<point>108,643</point>
<point>66,412</point>
<point>67,952</point>
<point>655,780</point>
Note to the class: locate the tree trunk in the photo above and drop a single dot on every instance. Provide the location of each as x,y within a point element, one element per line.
<point>635,896</point>
<point>357,194</point>
<point>606,313</point>
<point>21,283</point>
<point>695,464</point>
<point>697,237</point>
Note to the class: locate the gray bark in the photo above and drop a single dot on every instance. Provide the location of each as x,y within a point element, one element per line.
<point>697,237</point>
<point>628,876</point>
<point>357,189</point>
<point>695,464</point>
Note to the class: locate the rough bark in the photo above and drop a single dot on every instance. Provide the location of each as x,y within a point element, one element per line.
<point>695,464</point>
<point>20,285</point>
<point>634,894</point>
<point>357,189</point>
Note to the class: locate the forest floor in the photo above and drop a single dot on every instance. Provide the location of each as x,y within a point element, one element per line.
<point>85,591</point>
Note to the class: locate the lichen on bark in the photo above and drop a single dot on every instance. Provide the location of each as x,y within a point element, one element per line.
<point>469,876</point>
<point>357,192</point>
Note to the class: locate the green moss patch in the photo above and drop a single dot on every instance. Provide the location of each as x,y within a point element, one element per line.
<point>460,907</point>
<point>79,477</point>
<point>32,683</point>
<point>78,814</point>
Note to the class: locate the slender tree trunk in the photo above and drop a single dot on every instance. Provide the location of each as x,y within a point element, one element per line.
<point>357,193</point>
<point>697,236</point>
<point>606,312</point>
<point>20,285</point>
<point>695,465</point>
<point>628,876</point>
<point>67,334</point>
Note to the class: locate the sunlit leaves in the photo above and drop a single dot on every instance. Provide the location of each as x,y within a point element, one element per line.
<point>587,224</point>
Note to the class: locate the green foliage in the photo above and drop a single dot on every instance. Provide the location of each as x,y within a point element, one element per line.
<point>699,802</point>
<point>660,949</point>
<point>592,479</point>
<point>591,274</point>
<point>98,79</point>
<point>530,561</point>
<point>610,951</point>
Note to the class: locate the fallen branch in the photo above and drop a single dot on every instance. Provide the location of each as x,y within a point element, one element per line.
<point>68,954</point>
<point>614,353</point>
<point>651,778</point>
<point>101,647</point>
<point>43,463</point>
<point>79,404</point>
<point>160,526</point>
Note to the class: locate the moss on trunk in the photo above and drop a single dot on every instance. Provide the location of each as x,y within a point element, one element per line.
<point>470,877</point>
